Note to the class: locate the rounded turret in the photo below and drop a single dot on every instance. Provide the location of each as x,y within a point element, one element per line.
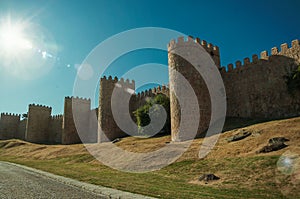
<point>180,56</point>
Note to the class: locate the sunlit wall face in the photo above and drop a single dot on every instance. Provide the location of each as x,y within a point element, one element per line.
<point>27,50</point>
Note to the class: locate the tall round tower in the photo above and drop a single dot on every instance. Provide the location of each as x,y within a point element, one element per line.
<point>181,54</point>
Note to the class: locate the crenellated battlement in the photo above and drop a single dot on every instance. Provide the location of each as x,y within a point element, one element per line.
<point>239,64</point>
<point>109,78</point>
<point>10,114</point>
<point>152,92</point>
<point>39,106</point>
<point>54,117</point>
<point>123,82</point>
<point>184,44</point>
<point>164,89</point>
<point>126,82</point>
<point>285,50</point>
<point>144,94</point>
<point>77,99</point>
<point>190,41</point>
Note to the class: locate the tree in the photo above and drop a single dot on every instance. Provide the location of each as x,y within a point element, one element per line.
<point>24,116</point>
<point>142,113</point>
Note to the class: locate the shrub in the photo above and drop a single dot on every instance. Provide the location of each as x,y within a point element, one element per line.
<point>142,113</point>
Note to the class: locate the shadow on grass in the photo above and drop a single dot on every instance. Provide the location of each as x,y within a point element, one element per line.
<point>232,123</point>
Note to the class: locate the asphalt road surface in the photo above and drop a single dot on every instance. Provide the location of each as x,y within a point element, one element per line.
<point>16,182</point>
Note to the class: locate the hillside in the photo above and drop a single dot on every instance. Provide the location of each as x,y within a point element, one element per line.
<point>242,170</point>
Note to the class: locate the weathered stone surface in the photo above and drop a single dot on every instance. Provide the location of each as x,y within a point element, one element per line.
<point>21,130</point>
<point>259,90</point>
<point>9,124</point>
<point>272,147</point>
<point>180,56</point>
<point>208,177</point>
<point>256,89</point>
<point>55,129</point>
<point>93,126</point>
<point>108,128</point>
<point>277,140</point>
<point>38,124</point>
<point>75,118</point>
<point>239,136</point>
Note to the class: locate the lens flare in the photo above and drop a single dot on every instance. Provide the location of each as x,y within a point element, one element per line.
<point>27,50</point>
<point>12,38</point>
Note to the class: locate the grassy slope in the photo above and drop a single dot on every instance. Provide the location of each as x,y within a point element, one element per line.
<point>243,172</point>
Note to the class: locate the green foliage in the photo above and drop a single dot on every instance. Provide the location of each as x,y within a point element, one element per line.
<point>293,81</point>
<point>142,113</point>
<point>24,115</point>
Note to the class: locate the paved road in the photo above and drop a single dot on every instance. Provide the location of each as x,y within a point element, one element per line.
<point>16,182</point>
<point>21,182</point>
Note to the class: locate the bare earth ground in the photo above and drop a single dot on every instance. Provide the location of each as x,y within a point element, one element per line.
<point>237,163</point>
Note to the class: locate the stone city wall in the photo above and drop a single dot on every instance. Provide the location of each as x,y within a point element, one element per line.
<point>55,129</point>
<point>257,88</point>
<point>21,130</point>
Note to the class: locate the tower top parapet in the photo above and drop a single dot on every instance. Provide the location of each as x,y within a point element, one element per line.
<point>10,114</point>
<point>187,45</point>
<point>39,106</point>
<point>190,41</point>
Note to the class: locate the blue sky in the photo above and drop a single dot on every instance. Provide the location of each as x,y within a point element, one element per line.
<point>71,29</point>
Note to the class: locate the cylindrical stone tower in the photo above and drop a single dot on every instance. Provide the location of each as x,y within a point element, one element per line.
<point>182,65</point>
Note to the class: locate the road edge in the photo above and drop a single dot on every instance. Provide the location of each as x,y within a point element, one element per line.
<point>95,189</point>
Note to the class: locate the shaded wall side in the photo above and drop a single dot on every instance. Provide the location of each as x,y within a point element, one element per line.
<point>80,114</point>
<point>9,124</point>
<point>93,126</point>
<point>55,129</point>
<point>38,121</point>
<point>22,129</point>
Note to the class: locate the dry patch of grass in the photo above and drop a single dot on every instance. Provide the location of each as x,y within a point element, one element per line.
<point>142,145</point>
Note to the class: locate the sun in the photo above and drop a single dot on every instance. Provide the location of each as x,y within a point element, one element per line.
<point>12,38</point>
<point>27,49</point>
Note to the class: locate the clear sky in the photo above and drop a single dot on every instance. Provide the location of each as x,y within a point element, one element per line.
<point>63,32</point>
